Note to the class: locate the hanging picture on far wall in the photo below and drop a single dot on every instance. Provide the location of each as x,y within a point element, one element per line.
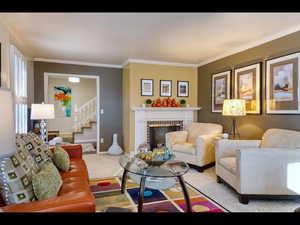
<point>220,89</point>
<point>146,87</point>
<point>182,89</point>
<point>165,88</point>
<point>62,103</point>
<point>282,84</point>
<point>247,87</point>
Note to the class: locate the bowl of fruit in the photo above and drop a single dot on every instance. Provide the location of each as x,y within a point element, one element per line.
<point>157,157</point>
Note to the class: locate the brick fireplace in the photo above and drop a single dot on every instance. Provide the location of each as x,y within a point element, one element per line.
<point>153,123</point>
<point>156,131</point>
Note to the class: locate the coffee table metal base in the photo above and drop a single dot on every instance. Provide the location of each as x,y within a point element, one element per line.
<point>142,190</point>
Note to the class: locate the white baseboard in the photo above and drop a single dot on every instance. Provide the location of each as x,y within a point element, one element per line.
<point>85,141</point>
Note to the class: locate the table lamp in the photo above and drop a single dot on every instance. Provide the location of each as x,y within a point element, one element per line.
<point>7,131</point>
<point>234,108</point>
<point>42,112</point>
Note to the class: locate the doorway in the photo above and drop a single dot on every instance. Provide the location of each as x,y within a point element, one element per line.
<point>76,100</point>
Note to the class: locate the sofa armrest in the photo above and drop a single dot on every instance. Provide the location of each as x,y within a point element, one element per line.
<point>176,137</point>
<point>273,171</point>
<point>77,201</point>
<point>74,151</point>
<point>227,148</point>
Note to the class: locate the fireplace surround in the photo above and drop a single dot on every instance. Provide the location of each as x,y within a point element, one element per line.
<point>156,131</point>
<point>144,116</point>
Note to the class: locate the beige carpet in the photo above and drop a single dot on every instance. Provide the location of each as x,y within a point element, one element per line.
<point>104,165</point>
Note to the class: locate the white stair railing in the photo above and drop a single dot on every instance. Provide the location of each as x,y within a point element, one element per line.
<point>85,114</point>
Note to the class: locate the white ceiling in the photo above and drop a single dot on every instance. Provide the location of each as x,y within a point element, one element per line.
<point>112,38</point>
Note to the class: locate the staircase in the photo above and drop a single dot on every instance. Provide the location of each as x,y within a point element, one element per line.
<point>85,123</point>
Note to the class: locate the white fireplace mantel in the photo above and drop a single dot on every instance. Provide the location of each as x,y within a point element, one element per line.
<point>165,108</point>
<point>144,114</point>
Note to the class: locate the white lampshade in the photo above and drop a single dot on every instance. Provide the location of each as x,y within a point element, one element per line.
<point>7,131</point>
<point>42,111</point>
<point>234,107</point>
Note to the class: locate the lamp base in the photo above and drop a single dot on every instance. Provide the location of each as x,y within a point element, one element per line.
<point>234,133</point>
<point>43,129</point>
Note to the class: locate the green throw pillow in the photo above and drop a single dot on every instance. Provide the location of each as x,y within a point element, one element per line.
<point>61,159</point>
<point>46,183</point>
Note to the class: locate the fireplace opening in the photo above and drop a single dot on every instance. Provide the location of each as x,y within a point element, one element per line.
<point>156,131</point>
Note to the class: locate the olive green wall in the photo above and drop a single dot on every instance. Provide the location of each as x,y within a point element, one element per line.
<point>250,126</point>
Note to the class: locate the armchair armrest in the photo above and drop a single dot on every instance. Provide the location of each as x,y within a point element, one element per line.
<point>272,171</point>
<point>205,147</point>
<point>176,137</point>
<point>74,151</point>
<point>227,148</point>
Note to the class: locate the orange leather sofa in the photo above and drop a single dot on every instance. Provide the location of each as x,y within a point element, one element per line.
<point>74,195</point>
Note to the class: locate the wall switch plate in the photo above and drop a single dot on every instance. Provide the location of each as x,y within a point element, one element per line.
<point>101,140</point>
<point>101,111</point>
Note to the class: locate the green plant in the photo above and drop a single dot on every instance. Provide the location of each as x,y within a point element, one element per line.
<point>182,101</point>
<point>148,101</point>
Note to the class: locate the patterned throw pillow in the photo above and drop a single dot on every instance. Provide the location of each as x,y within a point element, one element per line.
<point>47,183</point>
<point>40,142</point>
<point>38,150</point>
<point>61,159</point>
<point>16,174</point>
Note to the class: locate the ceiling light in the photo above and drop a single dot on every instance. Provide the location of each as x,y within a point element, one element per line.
<point>74,79</point>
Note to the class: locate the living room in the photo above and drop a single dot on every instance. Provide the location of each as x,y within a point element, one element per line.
<point>189,120</point>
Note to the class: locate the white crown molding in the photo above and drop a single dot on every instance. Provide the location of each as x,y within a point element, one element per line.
<point>76,63</point>
<point>251,45</point>
<point>158,63</point>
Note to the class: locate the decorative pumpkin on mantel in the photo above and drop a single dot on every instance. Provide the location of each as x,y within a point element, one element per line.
<point>166,102</point>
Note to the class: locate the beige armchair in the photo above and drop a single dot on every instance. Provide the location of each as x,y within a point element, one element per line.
<point>196,144</point>
<point>261,169</point>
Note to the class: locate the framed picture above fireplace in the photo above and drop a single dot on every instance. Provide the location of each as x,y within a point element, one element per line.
<point>146,87</point>
<point>182,88</point>
<point>165,88</point>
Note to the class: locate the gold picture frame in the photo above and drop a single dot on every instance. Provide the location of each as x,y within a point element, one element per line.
<point>221,85</point>
<point>247,86</point>
<point>282,85</point>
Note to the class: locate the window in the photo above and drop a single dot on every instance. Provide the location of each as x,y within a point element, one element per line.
<point>19,74</point>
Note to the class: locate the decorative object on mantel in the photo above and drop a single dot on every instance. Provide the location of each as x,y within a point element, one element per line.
<point>182,103</point>
<point>166,102</point>
<point>148,102</point>
<point>115,148</point>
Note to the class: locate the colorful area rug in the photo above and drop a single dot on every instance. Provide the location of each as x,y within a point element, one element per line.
<point>107,193</point>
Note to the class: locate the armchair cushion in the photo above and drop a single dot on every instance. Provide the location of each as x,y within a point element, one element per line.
<point>197,129</point>
<point>176,137</point>
<point>229,163</point>
<point>280,138</point>
<point>187,148</point>
<point>228,148</point>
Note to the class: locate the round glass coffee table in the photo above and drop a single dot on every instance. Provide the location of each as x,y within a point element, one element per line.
<point>155,177</point>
